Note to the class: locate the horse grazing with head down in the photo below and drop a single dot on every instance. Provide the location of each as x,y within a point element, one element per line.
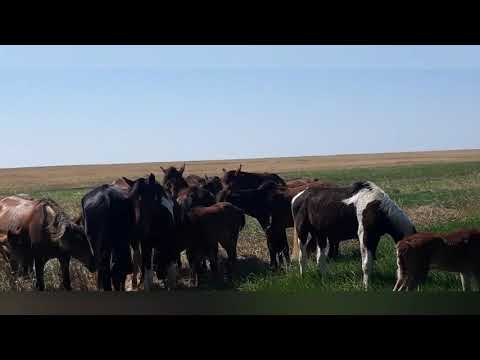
<point>40,230</point>
<point>458,251</point>
<point>361,211</point>
<point>238,179</point>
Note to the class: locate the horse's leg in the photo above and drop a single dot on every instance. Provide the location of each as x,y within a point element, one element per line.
<point>476,279</point>
<point>271,249</point>
<point>304,237</point>
<point>295,248</point>
<point>321,241</point>
<point>466,279</point>
<point>232,256</point>
<point>368,246</point>
<point>401,278</point>
<point>286,250</point>
<point>65,268</point>
<point>137,261</point>
<point>213,258</point>
<point>172,276</point>
<point>39,266</point>
<point>147,266</point>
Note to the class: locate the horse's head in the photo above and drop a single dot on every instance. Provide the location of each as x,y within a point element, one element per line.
<point>231,176</point>
<point>153,206</point>
<point>76,242</point>
<point>195,196</point>
<point>173,179</point>
<point>213,184</point>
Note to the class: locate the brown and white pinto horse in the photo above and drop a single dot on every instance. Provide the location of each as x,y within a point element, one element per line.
<point>40,230</point>
<point>270,204</point>
<point>458,251</point>
<point>361,211</point>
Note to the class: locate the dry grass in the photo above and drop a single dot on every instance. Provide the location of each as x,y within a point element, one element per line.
<point>81,176</point>
<point>433,196</point>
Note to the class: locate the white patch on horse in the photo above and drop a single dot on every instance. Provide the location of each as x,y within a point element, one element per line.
<point>397,217</point>
<point>296,197</point>
<point>321,259</point>
<point>395,214</point>
<point>302,254</point>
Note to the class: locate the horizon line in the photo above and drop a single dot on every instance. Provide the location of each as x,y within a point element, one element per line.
<point>239,159</point>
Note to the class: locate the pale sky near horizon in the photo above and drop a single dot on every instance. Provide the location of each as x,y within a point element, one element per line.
<point>64,105</point>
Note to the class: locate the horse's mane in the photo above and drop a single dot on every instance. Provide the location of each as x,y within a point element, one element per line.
<point>57,226</point>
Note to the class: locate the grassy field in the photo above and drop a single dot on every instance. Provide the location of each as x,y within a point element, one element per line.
<point>438,196</point>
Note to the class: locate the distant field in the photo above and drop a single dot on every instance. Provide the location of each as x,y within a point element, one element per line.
<point>439,190</point>
<point>69,177</point>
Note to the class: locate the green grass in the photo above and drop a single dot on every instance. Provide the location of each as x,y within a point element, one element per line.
<point>345,273</point>
<point>452,187</point>
<point>438,197</point>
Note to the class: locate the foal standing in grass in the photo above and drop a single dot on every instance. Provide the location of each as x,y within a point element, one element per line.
<point>455,252</point>
<point>361,211</point>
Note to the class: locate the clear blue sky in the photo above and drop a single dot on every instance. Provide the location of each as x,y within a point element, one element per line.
<point>117,104</point>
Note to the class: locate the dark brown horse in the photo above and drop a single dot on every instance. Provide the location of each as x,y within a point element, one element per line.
<point>199,232</point>
<point>270,204</point>
<point>458,251</point>
<point>213,184</point>
<point>238,179</point>
<point>137,214</point>
<point>300,182</point>
<point>42,231</point>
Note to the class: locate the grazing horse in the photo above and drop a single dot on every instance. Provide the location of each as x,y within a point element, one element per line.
<point>270,204</point>
<point>40,230</point>
<point>239,179</point>
<point>199,231</point>
<point>458,251</point>
<point>138,215</point>
<point>361,211</point>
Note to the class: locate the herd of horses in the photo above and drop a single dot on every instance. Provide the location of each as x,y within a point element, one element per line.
<point>141,227</point>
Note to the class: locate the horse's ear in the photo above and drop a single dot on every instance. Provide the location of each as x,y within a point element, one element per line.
<point>165,171</point>
<point>239,169</point>
<point>224,170</point>
<point>151,179</point>
<point>128,181</point>
<point>182,169</point>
